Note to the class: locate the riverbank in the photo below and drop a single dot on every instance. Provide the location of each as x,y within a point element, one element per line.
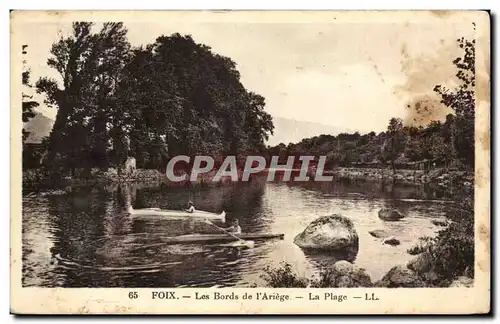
<point>439,177</point>
<point>38,178</point>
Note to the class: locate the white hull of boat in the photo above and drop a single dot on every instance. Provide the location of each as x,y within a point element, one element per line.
<point>179,214</point>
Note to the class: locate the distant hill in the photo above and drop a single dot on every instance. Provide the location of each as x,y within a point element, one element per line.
<point>38,127</point>
<point>292,131</point>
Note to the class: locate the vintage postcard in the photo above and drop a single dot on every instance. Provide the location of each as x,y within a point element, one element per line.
<point>250,162</point>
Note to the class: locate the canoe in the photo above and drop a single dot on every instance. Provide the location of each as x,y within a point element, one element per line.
<point>214,238</point>
<point>179,214</point>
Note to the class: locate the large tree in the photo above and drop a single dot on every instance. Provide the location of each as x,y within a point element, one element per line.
<point>89,65</point>
<point>163,99</point>
<point>111,53</point>
<point>191,102</point>
<point>68,139</point>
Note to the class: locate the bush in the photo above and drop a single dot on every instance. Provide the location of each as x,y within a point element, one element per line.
<point>283,277</point>
<point>327,279</point>
<point>454,247</point>
<point>422,246</point>
<point>452,251</point>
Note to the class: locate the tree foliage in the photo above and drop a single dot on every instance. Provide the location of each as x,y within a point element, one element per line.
<point>394,143</point>
<point>163,99</point>
<point>399,143</point>
<point>462,100</point>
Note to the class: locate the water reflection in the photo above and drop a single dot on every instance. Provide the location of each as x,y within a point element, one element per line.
<point>86,239</point>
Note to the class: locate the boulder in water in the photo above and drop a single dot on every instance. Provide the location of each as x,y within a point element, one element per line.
<point>379,233</point>
<point>392,241</point>
<point>328,233</point>
<point>390,214</point>
<point>400,277</point>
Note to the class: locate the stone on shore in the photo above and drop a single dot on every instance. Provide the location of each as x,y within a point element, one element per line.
<point>344,274</point>
<point>328,233</point>
<point>400,277</point>
<point>129,166</point>
<point>463,282</point>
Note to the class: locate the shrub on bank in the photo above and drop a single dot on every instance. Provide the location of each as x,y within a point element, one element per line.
<point>451,252</point>
<point>422,246</point>
<point>283,277</point>
<point>342,274</point>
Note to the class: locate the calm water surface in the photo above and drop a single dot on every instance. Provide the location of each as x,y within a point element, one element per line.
<point>85,239</point>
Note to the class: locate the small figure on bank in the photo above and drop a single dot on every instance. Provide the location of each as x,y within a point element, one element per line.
<point>190,208</point>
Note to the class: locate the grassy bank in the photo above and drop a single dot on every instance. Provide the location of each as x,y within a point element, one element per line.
<point>439,176</point>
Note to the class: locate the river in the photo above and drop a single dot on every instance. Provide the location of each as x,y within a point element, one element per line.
<point>84,238</point>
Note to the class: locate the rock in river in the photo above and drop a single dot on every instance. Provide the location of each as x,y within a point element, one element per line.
<point>392,241</point>
<point>379,233</point>
<point>438,222</point>
<point>328,233</point>
<point>390,214</point>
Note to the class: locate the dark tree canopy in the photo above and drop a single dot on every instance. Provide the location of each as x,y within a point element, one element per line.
<point>462,101</point>
<point>154,102</point>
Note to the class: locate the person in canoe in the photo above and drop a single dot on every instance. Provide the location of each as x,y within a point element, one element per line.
<point>190,208</point>
<point>235,227</point>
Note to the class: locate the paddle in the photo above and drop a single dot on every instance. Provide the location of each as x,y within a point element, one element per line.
<point>249,244</point>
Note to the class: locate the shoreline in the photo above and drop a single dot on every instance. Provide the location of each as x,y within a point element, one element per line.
<point>37,178</point>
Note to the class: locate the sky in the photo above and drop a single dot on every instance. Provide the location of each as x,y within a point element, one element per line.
<point>349,73</point>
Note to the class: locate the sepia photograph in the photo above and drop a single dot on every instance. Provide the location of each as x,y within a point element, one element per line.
<point>269,150</point>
